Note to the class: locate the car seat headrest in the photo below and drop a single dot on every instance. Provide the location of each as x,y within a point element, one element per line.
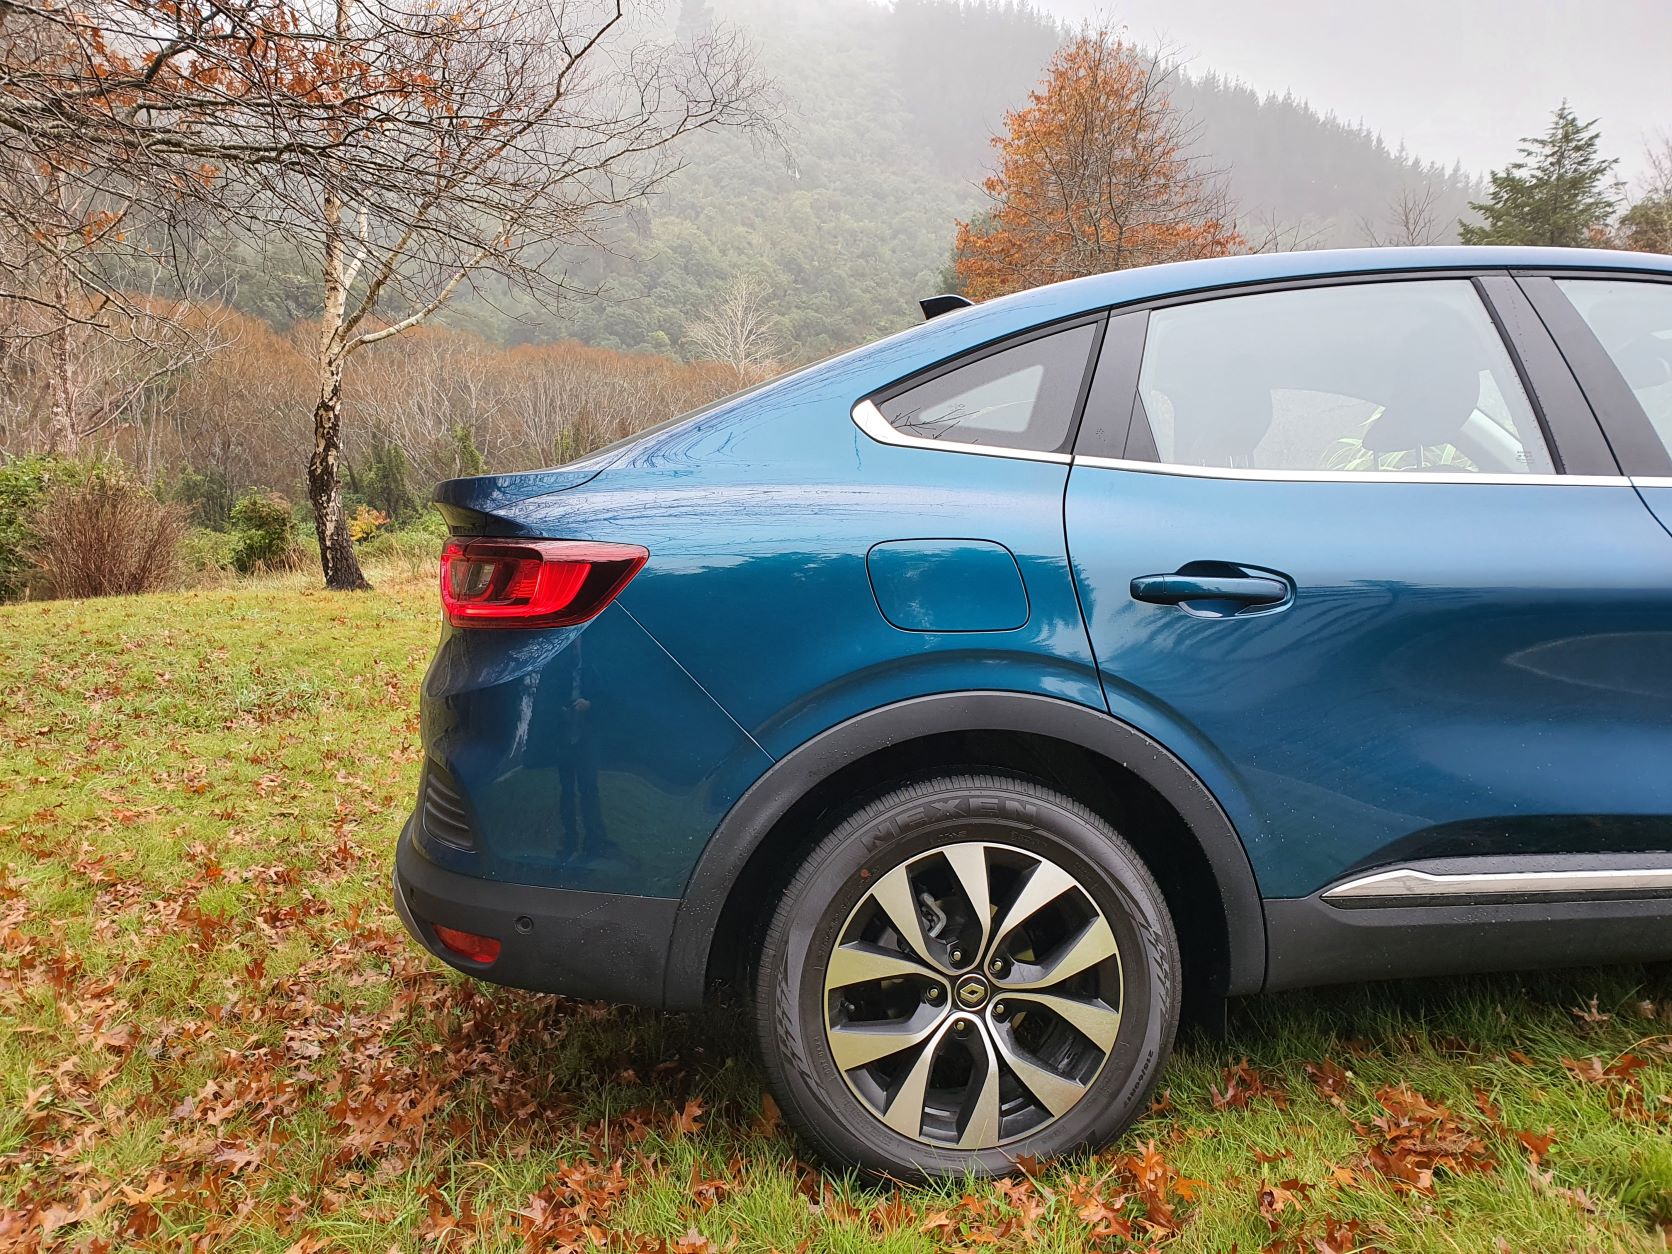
<point>1435,390</point>
<point>1220,415</point>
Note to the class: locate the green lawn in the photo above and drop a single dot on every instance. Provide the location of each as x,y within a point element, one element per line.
<point>214,1035</point>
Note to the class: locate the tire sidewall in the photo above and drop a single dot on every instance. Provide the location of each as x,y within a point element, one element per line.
<point>916,820</point>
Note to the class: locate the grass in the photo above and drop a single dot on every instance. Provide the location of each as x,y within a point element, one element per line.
<point>213,1034</point>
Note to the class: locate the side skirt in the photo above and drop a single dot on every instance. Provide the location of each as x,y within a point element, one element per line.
<point>1456,915</point>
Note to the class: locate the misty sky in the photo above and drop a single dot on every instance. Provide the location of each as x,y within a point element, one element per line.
<point>1455,79</point>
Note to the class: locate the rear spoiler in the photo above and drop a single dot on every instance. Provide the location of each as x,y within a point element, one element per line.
<point>935,306</point>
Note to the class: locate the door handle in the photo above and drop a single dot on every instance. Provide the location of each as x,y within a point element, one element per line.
<point>1180,588</point>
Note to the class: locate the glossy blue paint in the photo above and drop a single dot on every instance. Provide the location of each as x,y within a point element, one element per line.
<point>1659,500</point>
<point>758,518</point>
<point>1463,668</point>
<point>1461,664</point>
<point>947,585</point>
<point>587,757</point>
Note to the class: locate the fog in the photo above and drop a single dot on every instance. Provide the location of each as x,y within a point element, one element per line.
<point>1452,79</point>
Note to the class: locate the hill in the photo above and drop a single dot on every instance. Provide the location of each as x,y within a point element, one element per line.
<point>888,118</point>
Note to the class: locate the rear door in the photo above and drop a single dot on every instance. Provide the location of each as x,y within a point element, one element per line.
<point>1358,552</point>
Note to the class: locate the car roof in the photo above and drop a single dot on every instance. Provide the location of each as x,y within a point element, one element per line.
<point>864,369</point>
<point>1002,316</point>
<point>1180,278</point>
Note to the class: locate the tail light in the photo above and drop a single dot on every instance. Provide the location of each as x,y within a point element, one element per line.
<point>533,583</point>
<point>483,949</point>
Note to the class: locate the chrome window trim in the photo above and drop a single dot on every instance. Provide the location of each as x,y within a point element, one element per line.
<point>1345,476</point>
<point>1651,481</point>
<point>1407,882</point>
<point>869,419</point>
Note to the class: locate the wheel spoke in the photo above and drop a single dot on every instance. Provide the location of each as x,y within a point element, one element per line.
<point>969,864</point>
<point>860,1044</point>
<point>1045,883</point>
<point>1092,945</point>
<point>859,963</point>
<point>894,894</point>
<point>1097,1021</point>
<point>905,1103</point>
<point>981,1121</point>
<point>1057,1093</point>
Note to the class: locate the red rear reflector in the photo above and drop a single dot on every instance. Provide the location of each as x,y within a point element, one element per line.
<point>483,949</point>
<point>533,583</point>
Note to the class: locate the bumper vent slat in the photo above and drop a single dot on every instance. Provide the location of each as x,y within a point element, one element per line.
<point>445,816</point>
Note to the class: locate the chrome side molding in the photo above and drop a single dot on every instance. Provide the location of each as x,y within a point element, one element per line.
<point>1354,476</point>
<point>1407,884</point>
<point>869,419</point>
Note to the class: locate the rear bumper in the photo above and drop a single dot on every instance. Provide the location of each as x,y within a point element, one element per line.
<point>597,946</point>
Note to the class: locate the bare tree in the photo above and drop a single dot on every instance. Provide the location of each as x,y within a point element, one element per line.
<point>1414,220</point>
<point>739,332</point>
<point>472,135</point>
<point>1647,225</point>
<point>1265,232</point>
<point>93,279</point>
<point>404,149</point>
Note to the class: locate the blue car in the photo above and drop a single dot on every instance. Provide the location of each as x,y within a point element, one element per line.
<point>974,703</point>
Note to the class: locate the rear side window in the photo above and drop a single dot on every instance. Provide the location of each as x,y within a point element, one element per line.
<point>1023,397</point>
<point>1370,377</point>
<point>1634,323</point>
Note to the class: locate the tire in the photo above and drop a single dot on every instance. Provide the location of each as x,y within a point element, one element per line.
<point>844,969</point>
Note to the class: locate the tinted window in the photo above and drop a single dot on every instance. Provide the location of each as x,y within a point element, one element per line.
<point>1368,377</point>
<point>1022,397</point>
<point>1634,323</point>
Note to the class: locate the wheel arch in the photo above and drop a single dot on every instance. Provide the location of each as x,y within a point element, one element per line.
<point>1086,750</point>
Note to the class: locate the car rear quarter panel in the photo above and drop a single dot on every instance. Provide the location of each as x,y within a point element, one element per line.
<point>758,524</point>
<point>587,757</point>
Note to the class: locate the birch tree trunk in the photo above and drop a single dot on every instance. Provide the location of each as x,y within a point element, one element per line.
<point>336,548</point>
<point>62,436</point>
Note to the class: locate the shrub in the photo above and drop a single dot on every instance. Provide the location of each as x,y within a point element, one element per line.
<point>264,534</point>
<point>366,523</point>
<point>105,536</point>
<point>24,484</point>
<point>206,556</point>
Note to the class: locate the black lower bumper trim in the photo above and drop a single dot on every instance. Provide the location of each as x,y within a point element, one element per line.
<point>597,946</point>
<point>1314,942</point>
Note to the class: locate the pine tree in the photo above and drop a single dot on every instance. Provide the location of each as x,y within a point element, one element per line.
<point>1560,193</point>
<point>695,18</point>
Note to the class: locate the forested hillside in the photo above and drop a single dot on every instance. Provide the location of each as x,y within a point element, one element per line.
<point>889,114</point>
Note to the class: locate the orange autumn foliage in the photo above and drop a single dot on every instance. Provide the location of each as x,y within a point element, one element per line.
<point>1093,175</point>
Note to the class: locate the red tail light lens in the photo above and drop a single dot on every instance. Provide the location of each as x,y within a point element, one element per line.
<point>533,583</point>
<point>483,949</point>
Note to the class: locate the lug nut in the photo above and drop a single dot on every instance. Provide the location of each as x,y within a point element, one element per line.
<point>956,957</point>
<point>933,994</point>
<point>996,966</point>
<point>961,1027</point>
<point>998,1010</point>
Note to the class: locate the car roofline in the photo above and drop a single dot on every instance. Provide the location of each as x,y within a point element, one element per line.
<point>1184,278</point>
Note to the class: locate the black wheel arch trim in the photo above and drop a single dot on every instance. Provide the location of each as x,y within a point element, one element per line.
<point>754,815</point>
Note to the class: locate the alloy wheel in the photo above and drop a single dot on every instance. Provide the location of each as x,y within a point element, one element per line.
<point>973,995</point>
